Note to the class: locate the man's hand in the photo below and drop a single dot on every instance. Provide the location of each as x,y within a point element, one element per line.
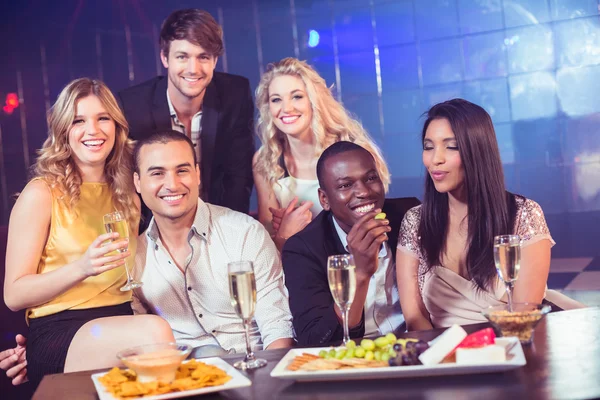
<point>278,214</point>
<point>293,219</point>
<point>14,361</point>
<point>364,242</point>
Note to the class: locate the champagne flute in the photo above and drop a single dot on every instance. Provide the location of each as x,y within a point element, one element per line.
<point>507,256</point>
<point>116,222</point>
<point>341,274</point>
<point>242,291</point>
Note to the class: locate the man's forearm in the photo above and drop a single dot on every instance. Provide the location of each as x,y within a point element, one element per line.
<point>283,343</point>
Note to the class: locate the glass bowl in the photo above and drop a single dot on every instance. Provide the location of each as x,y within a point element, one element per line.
<point>520,322</point>
<point>155,361</point>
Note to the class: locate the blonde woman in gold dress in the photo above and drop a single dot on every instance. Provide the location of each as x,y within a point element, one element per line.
<point>61,266</point>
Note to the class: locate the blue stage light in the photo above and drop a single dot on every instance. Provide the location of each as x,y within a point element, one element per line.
<point>313,38</point>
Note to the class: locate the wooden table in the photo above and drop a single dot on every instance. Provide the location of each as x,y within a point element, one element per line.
<point>563,362</point>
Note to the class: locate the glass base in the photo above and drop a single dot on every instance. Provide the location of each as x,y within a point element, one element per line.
<point>131,285</point>
<point>250,364</point>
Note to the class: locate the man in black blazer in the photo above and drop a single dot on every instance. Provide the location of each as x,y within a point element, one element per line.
<point>351,194</point>
<point>214,109</point>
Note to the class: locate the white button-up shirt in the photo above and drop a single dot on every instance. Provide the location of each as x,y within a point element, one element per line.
<point>196,302</point>
<point>196,127</point>
<point>381,316</point>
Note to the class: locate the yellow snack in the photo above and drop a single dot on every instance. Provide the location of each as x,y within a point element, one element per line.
<point>191,375</point>
<point>380,216</point>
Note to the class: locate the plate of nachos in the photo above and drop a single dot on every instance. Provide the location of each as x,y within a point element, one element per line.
<point>194,377</point>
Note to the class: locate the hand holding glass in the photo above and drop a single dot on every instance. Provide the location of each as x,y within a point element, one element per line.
<point>242,291</point>
<point>507,256</point>
<point>116,222</point>
<point>341,274</point>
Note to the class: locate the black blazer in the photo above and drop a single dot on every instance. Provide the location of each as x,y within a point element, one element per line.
<point>304,259</point>
<point>227,133</point>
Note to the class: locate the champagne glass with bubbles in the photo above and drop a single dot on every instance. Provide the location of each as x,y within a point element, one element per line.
<point>507,256</point>
<point>341,274</point>
<point>242,291</point>
<point>116,222</point>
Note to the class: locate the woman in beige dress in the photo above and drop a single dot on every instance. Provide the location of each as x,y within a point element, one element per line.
<point>445,267</point>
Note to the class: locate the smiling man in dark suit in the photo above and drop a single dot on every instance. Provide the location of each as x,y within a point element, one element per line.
<point>213,109</point>
<point>351,194</point>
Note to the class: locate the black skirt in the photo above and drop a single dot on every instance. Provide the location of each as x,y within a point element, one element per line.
<point>50,337</point>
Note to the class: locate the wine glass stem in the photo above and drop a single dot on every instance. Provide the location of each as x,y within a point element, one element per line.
<point>249,353</point>
<point>127,271</point>
<point>345,322</point>
<point>509,288</point>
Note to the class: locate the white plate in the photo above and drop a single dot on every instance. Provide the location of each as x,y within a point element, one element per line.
<point>237,381</point>
<point>516,359</point>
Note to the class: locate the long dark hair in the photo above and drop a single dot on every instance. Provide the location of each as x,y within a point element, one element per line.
<point>491,209</point>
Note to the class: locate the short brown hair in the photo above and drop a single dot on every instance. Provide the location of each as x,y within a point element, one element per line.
<point>194,25</point>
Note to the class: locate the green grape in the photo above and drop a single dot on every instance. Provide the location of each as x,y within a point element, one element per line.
<point>351,344</point>
<point>391,337</point>
<point>332,353</point>
<point>359,352</point>
<point>367,344</point>
<point>377,355</point>
<point>323,353</point>
<point>385,357</point>
<point>369,355</point>
<point>350,352</point>
<point>340,353</point>
<point>391,352</point>
<point>381,342</point>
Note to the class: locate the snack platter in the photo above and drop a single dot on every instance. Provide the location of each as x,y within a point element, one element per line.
<point>237,381</point>
<point>515,359</point>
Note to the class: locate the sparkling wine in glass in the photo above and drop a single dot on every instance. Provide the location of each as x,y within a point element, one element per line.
<point>242,291</point>
<point>116,222</point>
<point>341,274</point>
<point>507,256</point>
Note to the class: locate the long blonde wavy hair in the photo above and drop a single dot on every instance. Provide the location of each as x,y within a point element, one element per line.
<point>331,122</point>
<point>55,163</point>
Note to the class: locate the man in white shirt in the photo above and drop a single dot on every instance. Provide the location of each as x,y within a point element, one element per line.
<point>182,260</point>
<point>182,257</point>
<point>351,194</point>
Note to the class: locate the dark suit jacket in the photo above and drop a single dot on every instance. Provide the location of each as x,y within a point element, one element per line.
<point>227,133</point>
<point>304,259</point>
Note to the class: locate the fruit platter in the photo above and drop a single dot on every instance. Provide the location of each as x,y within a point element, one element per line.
<point>452,352</point>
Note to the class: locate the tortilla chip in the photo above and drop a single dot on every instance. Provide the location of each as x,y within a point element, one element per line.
<point>191,375</point>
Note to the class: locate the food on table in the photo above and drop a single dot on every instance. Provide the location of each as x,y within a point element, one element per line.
<point>407,353</point>
<point>480,355</point>
<point>156,366</point>
<point>480,338</point>
<point>519,323</point>
<point>388,348</point>
<point>191,375</point>
<point>381,215</point>
<point>300,360</point>
<point>452,346</point>
<point>443,345</point>
<point>154,362</point>
<point>321,364</point>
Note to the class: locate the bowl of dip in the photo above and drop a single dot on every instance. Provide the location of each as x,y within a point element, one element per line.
<point>155,362</point>
<point>519,322</point>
